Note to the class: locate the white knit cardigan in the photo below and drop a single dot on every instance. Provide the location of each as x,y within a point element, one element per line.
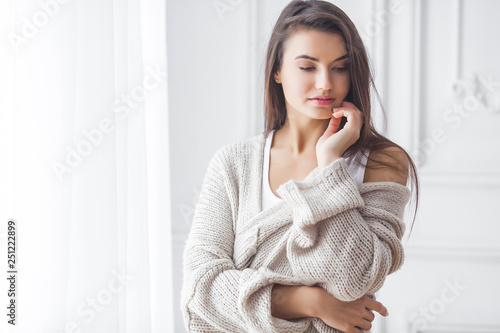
<point>328,231</point>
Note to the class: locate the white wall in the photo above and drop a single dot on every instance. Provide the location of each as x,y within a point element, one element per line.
<point>421,50</point>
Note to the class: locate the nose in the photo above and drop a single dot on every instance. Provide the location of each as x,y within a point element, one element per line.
<point>324,80</point>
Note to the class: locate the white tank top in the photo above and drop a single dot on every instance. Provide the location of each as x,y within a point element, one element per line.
<point>269,198</point>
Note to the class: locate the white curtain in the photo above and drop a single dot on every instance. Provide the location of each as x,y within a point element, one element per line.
<point>84,168</point>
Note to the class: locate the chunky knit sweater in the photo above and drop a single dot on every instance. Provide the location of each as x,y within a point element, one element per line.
<point>328,231</point>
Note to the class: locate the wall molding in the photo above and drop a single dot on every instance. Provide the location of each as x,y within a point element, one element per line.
<point>437,252</point>
<point>252,113</point>
<point>459,39</point>
<point>416,118</point>
<point>455,328</point>
<point>379,47</point>
<point>450,178</point>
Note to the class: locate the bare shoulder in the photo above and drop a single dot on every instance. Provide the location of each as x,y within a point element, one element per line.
<point>395,170</point>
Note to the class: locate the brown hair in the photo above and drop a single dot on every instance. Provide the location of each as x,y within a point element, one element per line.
<point>326,17</point>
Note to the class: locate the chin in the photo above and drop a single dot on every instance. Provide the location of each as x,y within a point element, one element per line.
<point>322,114</point>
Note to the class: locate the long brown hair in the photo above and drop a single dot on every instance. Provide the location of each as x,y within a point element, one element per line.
<point>326,17</point>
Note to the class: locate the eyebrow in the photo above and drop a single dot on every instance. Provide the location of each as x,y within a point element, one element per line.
<point>305,56</point>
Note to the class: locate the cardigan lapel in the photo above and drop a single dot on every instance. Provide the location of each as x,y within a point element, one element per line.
<point>255,225</point>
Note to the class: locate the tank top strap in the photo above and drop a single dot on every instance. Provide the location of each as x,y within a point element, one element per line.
<point>357,164</point>
<point>268,198</point>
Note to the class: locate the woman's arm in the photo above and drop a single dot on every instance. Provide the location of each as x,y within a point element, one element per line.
<point>344,236</point>
<point>293,302</point>
<point>215,295</point>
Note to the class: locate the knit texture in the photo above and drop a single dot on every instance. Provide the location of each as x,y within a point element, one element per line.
<point>328,231</point>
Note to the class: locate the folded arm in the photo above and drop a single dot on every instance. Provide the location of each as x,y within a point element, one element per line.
<point>345,236</point>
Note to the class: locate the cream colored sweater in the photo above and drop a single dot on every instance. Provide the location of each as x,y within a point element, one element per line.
<point>328,231</point>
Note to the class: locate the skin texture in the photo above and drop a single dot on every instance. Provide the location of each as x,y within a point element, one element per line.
<point>308,139</point>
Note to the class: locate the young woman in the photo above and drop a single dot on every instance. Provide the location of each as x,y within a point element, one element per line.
<point>297,228</point>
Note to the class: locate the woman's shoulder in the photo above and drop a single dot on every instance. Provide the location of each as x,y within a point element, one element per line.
<point>241,151</point>
<point>387,164</point>
<point>244,145</point>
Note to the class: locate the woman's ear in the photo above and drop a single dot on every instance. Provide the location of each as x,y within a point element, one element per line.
<point>277,78</point>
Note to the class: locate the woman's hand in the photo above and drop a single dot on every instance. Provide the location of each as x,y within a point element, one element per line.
<point>332,144</point>
<point>293,302</point>
<point>349,317</point>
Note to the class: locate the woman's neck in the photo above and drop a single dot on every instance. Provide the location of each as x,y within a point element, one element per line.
<point>299,136</point>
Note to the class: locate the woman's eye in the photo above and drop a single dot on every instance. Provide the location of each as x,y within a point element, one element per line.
<point>335,69</point>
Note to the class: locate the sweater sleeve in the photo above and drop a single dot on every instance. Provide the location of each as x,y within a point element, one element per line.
<point>215,295</point>
<point>345,237</point>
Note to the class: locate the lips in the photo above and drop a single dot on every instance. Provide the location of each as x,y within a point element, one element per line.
<point>322,100</point>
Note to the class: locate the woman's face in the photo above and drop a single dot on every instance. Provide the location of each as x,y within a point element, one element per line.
<point>314,65</point>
